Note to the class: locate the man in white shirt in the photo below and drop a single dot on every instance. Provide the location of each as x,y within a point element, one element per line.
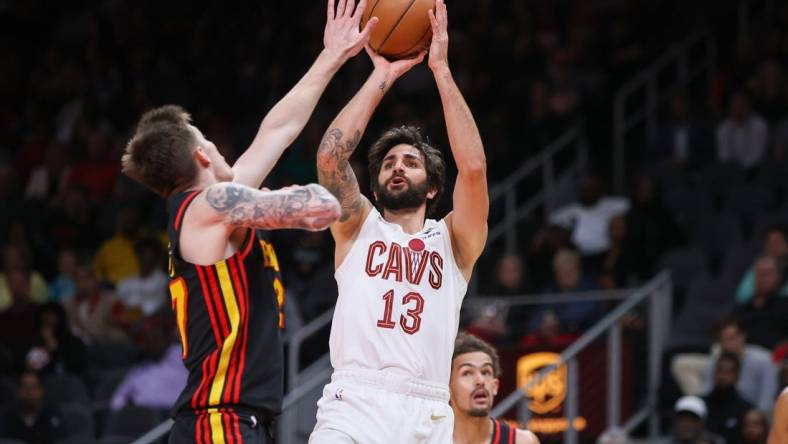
<point>742,137</point>
<point>588,219</point>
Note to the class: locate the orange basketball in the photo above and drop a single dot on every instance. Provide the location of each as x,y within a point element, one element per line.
<point>403,28</point>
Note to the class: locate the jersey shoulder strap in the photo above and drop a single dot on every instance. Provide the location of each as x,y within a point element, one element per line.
<point>502,433</point>
<point>176,208</point>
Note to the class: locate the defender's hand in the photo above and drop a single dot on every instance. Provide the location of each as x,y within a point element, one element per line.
<point>342,37</point>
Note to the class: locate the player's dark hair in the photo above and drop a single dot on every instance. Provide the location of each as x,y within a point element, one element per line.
<point>159,155</point>
<point>728,321</point>
<point>467,343</point>
<point>432,157</point>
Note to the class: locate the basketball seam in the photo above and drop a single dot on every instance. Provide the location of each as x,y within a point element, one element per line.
<point>391,31</point>
<point>415,44</point>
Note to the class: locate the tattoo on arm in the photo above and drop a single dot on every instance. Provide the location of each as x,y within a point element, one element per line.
<point>336,174</point>
<point>309,207</point>
<point>382,86</point>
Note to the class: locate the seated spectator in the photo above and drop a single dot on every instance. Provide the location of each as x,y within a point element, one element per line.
<point>689,423</point>
<point>651,228</point>
<point>548,334</point>
<point>90,311</point>
<point>115,259</point>
<point>589,218</point>
<point>754,428</point>
<point>756,376</point>
<point>726,406</point>
<point>763,317</point>
<point>742,136</point>
<point>55,349</point>
<point>617,261</point>
<point>544,245</point>
<point>16,257</point>
<point>569,278</point>
<point>18,321</point>
<point>683,139</point>
<point>145,292</point>
<point>62,287</point>
<point>775,246</point>
<point>770,93</point>
<point>782,375</point>
<point>31,420</point>
<point>48,179</point>
<point>157,381</point>
<point>509,279</point>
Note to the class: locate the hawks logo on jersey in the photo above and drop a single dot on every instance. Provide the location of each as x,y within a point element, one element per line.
<point>409,263</point>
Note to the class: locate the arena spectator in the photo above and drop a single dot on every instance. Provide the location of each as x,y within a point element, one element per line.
<point>31,420</point>
<point>17,258</point>
<point>544,245</point>
<point>18,321</point>
<point>754,428</point>
<point>770,93</point>
<point>682,139</point>
<point>726,406</point>
<point>145,292</point>
<point>589,218</point>
<point>91,310</point>
<point>509,276</point>
<point>689,423</point>
<point>62,286</point>
<point>763,317</point>
<point>775,246</point>
<point>48,180</point>
<point>652,228</point>
<point>616,267</point>
<point>157,381</point>
<point>742,136</point>
<point>55,349</point>
<point>115,259</point>
<point>569,278</point>
<point>756,375</point>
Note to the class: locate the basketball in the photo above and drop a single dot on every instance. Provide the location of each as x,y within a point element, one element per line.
<point>403,28</point>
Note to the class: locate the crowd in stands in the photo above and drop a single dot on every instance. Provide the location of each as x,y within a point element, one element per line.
<point>87,341</point>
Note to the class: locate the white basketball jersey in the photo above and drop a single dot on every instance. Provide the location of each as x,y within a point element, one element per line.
<point>399,301</point>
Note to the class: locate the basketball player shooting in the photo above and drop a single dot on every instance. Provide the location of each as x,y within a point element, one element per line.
<point>401,278</point>
<point>224,275</point>
<point>475,369</point>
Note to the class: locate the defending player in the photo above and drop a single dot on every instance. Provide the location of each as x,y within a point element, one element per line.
<point>474,384</point>
<point>401,279</point>
<point>225,284</point>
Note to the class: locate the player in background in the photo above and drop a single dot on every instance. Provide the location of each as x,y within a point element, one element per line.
<point>401,278</point>
<point>224,276</point>
<point>779,433</point>
<point>475,370</point>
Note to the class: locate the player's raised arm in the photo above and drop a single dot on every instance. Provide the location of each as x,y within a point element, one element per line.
<point>284,122</point>
<point>342,138</point>
<point>309,207</point>
<point>470,200</point>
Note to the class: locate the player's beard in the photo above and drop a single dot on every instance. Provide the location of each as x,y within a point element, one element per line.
<point>479,413</point>
<point>413,196</point>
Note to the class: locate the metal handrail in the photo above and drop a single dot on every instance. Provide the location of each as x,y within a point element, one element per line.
<point>648,78</point>
<point>572,351</point>
<point>545,163</point>
<point>294,346</point>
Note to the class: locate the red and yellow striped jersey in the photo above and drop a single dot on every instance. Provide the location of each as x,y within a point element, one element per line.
<point>229,316</point>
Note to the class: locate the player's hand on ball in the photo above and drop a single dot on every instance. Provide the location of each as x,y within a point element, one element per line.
<point>342,36</point>
<point>396,68</point>
<point>439,48</point>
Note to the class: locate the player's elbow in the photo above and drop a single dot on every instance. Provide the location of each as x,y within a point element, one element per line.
<point>325,212</point>
<point>474,168</point>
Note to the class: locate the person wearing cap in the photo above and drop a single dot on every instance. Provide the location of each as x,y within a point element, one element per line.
<point>689,423</point>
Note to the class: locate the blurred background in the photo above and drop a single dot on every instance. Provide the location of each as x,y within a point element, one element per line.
<point>624,138</point>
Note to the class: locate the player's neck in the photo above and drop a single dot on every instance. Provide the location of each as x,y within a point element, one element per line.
<point>471,429</point>
<point>204,179</point>
<point>411,220</point>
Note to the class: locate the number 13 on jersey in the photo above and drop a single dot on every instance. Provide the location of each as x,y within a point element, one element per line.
<point>412,322</point>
